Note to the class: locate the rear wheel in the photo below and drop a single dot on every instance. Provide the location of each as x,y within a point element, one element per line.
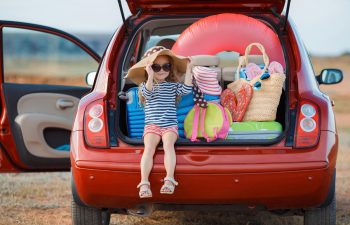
<point>326,214</point>
<point>83,215</point>
<point>321,216</point>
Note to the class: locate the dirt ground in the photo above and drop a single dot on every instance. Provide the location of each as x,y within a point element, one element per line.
<point>44,198</point>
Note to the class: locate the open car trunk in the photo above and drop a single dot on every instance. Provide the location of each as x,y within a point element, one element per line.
<point>165,32</point>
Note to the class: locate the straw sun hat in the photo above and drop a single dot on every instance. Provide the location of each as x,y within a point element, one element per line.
<point>137,72</point>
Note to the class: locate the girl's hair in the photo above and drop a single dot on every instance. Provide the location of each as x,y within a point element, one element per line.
<point>172,77</point>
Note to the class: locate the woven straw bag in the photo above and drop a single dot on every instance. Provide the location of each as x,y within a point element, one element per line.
<point>264,103</point>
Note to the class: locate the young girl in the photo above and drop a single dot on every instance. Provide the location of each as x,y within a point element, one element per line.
<point>159,94</point>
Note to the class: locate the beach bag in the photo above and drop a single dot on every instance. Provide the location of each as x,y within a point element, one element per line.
<point>211,123</point>
<point>206,119</point>
<point>237,103</point>
<point>267,89</point>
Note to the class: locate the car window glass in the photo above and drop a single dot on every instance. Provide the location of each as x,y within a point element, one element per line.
<point>33,57</point>
<point>158,40</point>
<point>137,49</point>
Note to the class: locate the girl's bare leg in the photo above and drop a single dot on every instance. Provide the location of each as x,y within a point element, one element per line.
<point>169,139</point>
<point>151,141</point>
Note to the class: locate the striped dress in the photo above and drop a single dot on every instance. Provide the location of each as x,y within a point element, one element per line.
<point>160,107</point>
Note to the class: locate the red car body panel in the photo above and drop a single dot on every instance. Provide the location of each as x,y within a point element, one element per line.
<point>7,142</point>
<point>306,86</point>
<point>270,176</point>
<point>191,7</point>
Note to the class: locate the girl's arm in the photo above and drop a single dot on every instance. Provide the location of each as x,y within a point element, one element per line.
<point>186,87</point>
<point>188,75</point>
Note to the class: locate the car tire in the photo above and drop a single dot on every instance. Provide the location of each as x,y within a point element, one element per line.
<point>83,215</point>
<point>325,215</point>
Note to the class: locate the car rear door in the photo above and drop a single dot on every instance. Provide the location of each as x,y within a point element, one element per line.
<point>204,6</point>
<point>42,79</point>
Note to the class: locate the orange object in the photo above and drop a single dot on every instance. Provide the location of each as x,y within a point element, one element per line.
<point>238,103</point>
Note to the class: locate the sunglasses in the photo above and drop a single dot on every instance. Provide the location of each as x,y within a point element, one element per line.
<point>156,67</point>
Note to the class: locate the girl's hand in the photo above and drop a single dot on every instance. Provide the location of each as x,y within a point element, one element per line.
<point>189,66</point>
<point>188,76</point>
<point>149,71</point>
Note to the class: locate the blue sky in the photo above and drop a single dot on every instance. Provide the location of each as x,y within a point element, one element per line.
<point>322,24</point>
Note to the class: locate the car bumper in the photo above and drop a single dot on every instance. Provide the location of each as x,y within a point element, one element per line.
<point>273,190</point>
<point>284,185</point>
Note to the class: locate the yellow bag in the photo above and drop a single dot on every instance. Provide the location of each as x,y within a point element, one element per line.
<point>210,123</point>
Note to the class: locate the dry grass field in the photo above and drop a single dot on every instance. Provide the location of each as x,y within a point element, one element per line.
<point>44,198</point>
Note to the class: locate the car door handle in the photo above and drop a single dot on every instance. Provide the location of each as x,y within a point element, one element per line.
<point>64,103</point>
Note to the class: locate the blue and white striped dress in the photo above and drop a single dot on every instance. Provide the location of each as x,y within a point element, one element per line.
<point>160,107</point>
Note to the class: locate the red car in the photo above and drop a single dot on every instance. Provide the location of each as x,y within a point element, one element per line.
<point>293,173</point>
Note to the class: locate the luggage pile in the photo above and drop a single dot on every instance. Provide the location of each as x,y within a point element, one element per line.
<point>246,109</point>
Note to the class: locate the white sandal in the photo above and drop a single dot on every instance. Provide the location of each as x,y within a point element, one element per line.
<point>171,188</point>
<point>145,192</point>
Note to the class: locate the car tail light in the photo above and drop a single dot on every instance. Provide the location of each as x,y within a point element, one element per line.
<point>95,125</point>
<point>308,126</point>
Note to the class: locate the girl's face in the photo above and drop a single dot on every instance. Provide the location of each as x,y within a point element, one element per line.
<point>163,62</point>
